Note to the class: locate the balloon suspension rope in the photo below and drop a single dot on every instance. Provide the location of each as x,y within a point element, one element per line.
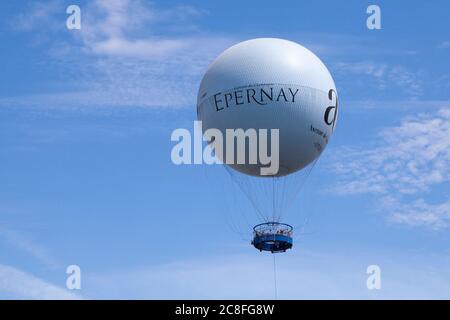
<point>275,276</point>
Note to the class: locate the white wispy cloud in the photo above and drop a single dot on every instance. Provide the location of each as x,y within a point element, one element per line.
<point>406,161</point>
<point>408,158</point>
<point>38,14</point>
<point>25,244</point>
<point>400,104</point>
<point>119,28</point>
<point>128,53</point>
<point>417,212</point>
<point>17,284</point>
<point>444,45</point>
<point>363,67</point>
<point>382,75</point>
<point>301,275</point>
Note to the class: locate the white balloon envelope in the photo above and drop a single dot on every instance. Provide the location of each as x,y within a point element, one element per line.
<point>271,83</point>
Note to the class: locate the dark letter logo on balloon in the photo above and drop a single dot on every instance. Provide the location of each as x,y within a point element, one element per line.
<point>329,116</point>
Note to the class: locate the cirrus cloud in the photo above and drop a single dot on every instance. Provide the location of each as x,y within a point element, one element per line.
<point>17,284</point>
<point>401,167</point>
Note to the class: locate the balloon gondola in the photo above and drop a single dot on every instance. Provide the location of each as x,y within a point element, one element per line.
<point>272,236</point>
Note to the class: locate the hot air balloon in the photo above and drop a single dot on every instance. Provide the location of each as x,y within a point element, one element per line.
<point>268,84</point>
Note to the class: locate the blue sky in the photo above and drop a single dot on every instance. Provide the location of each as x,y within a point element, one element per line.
<point>86,176</point>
